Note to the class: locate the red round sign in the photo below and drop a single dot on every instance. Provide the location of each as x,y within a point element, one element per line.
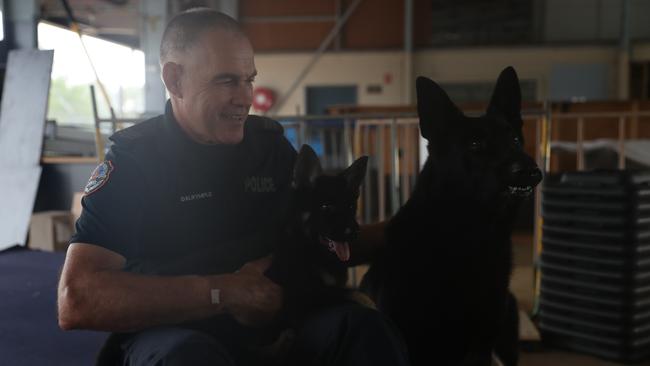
<point>263,99</point>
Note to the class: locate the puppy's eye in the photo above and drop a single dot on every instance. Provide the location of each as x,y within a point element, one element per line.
<point>517,141</point>
<point>326,208</point>
<point>476,145</point>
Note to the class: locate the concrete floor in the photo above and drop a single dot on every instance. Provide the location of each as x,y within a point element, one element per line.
<point>522,287</point>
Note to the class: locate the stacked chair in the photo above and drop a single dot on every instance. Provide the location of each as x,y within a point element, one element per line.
<point>595,263</point>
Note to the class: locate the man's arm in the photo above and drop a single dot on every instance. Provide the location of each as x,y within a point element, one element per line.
<point>95,293</point>
<point>370,243</point>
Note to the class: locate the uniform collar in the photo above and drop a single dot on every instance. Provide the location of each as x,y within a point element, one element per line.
<point>182,143</point>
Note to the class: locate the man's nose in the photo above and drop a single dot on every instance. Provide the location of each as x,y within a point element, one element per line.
<point>243,95</point>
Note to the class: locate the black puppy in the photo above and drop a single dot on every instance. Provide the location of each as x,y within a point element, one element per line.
<point>310,262</point>
<point>445,274</point>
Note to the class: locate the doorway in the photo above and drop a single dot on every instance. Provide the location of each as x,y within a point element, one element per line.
<point>325,135</point>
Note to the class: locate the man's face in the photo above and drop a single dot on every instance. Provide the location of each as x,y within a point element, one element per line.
<point>216,83</point>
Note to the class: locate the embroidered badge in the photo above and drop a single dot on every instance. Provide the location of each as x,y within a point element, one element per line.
<point>99,177</point>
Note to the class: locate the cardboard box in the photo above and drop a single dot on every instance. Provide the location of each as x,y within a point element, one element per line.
<point>50,230</point>
<point>76,206</point>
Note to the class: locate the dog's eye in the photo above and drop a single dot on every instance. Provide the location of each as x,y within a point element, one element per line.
<point>517,141</point>
<point>326,208</point>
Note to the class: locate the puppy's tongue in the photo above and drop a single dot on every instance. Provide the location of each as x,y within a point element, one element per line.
<point>341,249</point>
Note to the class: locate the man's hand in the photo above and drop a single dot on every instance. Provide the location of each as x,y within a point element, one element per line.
<point>253,299</point>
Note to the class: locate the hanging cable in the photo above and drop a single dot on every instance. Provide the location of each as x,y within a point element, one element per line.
<point>74,26</point>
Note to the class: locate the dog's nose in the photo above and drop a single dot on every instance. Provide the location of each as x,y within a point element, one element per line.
<point>526,172</point>
<point>351,231</point>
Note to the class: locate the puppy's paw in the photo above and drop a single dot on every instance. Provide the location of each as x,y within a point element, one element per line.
<point>362,299</point>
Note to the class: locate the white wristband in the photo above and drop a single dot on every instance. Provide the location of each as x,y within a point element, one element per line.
<point>215,296</point>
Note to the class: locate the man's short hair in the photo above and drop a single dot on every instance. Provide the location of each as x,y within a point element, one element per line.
<point>184,29</point>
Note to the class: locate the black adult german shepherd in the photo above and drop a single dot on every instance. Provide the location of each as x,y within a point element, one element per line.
<point>445,274</point>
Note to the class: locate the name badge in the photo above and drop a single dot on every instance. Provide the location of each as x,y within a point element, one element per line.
<point>196,196</point>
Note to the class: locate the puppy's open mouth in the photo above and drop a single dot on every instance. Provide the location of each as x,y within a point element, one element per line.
<point>520,191</point>
<point>340,248</point>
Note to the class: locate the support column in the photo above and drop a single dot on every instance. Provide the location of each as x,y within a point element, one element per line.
<point>407,97</point>
<point>624,53</point>
<point>153,17</point>
<point>22,18</point>
<point>229,7</point>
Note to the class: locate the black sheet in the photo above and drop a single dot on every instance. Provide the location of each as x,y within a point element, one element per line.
<point>29,333</point>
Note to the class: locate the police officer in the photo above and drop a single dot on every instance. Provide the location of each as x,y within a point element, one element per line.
<point>178,223</point>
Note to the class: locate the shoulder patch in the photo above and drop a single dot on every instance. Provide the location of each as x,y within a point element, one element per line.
<point>99,177</point>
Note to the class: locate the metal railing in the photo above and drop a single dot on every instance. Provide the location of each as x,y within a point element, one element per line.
<point>391,141</point>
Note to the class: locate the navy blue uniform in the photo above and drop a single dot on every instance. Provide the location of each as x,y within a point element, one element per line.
<point>171,206</point>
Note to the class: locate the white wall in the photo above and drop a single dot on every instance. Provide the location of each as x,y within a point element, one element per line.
<point>278,72</point>
<point>641,53</point>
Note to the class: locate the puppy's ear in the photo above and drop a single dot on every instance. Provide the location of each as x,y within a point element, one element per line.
<point>506,97</point>
<point>355,173</point>
<point>307,168</point>
<point>435,109</point>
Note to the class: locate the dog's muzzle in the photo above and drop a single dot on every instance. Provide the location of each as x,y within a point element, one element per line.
<point>340,248</point>
<point>523,179</point>
<point>520,191</point>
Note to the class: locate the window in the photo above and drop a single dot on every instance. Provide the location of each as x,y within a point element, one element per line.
<point>479,22</point>
<point>120,69</point>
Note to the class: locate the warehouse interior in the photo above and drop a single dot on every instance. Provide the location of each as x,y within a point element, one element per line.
<point>340,75</point>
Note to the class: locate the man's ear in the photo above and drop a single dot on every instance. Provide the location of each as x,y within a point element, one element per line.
<point>171,75</point>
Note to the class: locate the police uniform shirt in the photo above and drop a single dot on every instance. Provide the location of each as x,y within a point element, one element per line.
<point>172,206</point>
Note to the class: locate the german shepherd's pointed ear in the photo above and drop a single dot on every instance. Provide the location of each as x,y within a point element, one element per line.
<point>307,168</point>
<point>355,173</point>
<point>506,97</point>
<point>434,107</point>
